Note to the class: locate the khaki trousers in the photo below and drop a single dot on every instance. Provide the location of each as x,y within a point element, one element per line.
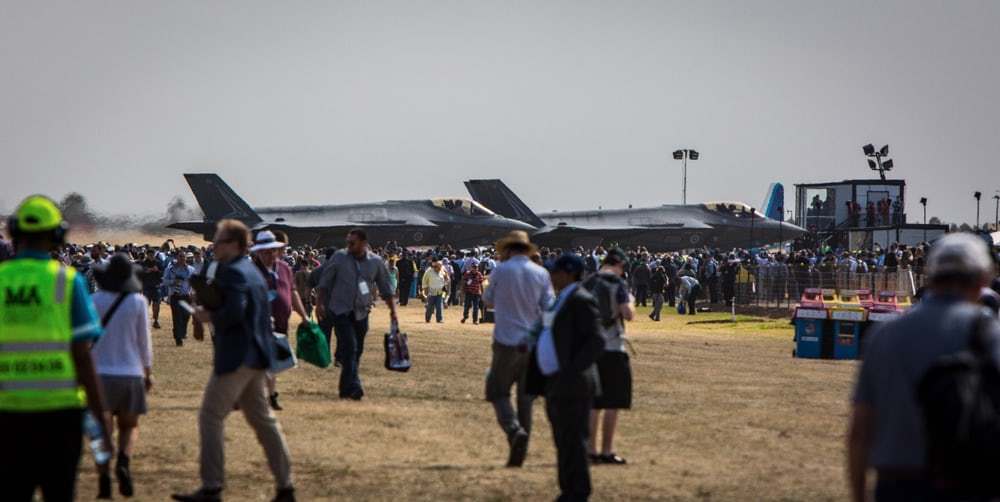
<point>246,387</point>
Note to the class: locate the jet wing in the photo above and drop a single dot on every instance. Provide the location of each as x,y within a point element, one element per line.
<point>323,224</point>
<point>610,229</point>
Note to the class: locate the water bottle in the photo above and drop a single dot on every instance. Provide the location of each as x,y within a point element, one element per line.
<point>96,438</point>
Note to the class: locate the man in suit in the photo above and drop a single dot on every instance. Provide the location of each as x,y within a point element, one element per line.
<point>562,368</point>
<point>244,350</point>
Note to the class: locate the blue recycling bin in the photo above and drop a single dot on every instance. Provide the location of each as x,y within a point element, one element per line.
<point>811,337</point>
<point>847,324</point>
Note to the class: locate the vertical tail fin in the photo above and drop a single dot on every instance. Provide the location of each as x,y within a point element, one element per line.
<point>774,203</point>
<point>495,195</point>
<point>218,201</point>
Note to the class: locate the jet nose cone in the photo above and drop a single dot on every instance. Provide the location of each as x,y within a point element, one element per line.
<point>520,225</point>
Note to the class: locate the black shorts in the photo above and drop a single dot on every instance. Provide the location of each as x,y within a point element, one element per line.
<point>616,382</point>
<point>152,294</point>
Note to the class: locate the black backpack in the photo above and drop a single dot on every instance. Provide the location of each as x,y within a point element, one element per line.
<point>960,398</point>
<point>603,287</point>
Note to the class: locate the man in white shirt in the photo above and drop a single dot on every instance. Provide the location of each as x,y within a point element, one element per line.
<point>434,282</point>
<point>518,292</point>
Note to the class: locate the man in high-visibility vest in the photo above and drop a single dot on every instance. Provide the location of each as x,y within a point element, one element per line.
<point>47,378</point>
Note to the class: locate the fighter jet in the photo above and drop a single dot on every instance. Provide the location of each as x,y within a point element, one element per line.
<point>446,220</point>
<point>720,225</point>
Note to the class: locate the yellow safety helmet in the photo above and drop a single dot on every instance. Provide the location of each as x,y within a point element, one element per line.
<point>38,214</point>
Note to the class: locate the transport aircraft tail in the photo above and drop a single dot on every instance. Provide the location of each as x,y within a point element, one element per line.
<point>774,203</point>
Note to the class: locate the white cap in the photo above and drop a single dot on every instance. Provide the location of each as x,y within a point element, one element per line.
<point>960,254</point>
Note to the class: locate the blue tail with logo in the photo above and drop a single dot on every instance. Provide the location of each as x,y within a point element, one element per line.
<point>774,204</point>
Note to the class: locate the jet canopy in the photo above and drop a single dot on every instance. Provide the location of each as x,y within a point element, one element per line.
<point>736,209</point>
<point>461,206</point>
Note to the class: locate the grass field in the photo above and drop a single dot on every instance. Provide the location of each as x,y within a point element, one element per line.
<point>722,412</point>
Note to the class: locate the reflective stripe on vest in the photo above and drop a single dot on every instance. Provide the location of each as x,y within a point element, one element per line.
<point>37,372</point>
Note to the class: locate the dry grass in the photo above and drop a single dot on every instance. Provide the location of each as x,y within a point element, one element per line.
<point>121,237</point>
<point>723,412</point>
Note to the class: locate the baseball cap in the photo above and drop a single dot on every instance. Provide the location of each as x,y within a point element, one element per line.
<point>960,254</point>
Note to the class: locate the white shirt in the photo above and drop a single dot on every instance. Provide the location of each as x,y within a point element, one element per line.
<point>126,348</point>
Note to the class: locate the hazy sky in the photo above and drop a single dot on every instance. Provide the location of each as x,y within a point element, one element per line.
<point>574,104</point>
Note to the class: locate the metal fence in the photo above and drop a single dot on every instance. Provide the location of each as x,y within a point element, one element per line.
<point>781,287</point>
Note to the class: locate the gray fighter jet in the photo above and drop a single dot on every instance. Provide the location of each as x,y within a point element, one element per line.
<point>449,220</point>
<point>720,225</point>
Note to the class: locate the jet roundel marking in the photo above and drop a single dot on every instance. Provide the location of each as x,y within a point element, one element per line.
<point>695,239</point>
<point>418,236</point>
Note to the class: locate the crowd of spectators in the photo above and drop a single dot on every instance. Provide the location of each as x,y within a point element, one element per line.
<point>442,277</point>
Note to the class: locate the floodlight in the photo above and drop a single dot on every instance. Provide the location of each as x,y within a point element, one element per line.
<point>978,195</point>
<point>923,201</point>
<point>887,165</point>
<point>678,154</point>
<point>884,151</point>
<point>871,164</point>
<point>693,154</point>
<point>869,149</point>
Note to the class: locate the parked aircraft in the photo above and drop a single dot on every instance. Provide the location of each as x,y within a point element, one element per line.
<point>446,220</point>
<point>723,225</point>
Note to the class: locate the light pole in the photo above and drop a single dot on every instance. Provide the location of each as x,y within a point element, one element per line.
<point>878,164</point>
<point>923,202</point>
<point>684,155</point>
<point>996,217</point>
<point>977,195</point>
<point>753,211</point>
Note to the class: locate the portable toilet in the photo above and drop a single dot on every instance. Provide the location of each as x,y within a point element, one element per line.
<point>811,321</point>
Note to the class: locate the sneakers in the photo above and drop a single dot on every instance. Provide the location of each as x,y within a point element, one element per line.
<point>518,448</point>
<point>156,324</point>
<point>202,495</point>
<point>273,398</point>
<point>464,319</point>
<point>606,459</point>
<point>124,476</point>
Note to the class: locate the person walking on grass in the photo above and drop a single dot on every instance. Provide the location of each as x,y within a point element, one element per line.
<point>177,278</point>
<point>124,361</point>
<point>434,282</point>
<point>268,256</point>
<point>152,277</point>
<point>46,315</point>
<point>561,367</point>
<point>609,288</point>
<point>519,292</point>
<point>472,285</point>
<point>657,288</point>
<point>243,352</point>
<point>344,294</point>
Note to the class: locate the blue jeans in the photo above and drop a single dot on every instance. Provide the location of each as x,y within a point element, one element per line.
<point>350,334</point>
<point>434,305</point>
